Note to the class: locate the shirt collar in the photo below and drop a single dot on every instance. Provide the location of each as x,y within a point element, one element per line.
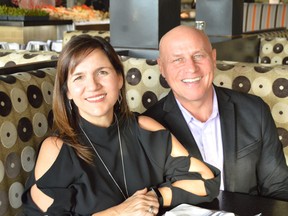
<point>189,117</point>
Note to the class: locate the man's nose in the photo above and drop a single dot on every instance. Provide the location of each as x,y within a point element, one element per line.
<point>190,63</point>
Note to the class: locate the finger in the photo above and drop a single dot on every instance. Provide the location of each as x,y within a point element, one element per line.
<point>153,210</point>
<point>140,192</point>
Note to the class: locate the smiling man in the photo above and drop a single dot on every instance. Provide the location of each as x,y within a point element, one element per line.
<point>233,131</point>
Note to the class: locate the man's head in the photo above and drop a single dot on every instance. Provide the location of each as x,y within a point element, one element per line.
<point>187,62</point>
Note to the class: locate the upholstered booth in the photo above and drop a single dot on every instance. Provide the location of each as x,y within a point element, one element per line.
<point>25,119</point>
<point>69,34</point>
<point>15,57</point>
<point>274,50</point>
<point>26,116</point>
<point>262,16</point>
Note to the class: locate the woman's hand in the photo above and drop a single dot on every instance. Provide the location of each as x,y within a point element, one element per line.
<point>141,203</point>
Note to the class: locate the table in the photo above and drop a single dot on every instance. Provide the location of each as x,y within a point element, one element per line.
<point>23,31</point>
<point>246,205</point>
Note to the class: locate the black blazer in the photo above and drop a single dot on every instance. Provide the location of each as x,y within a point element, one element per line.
<point>254,161</point>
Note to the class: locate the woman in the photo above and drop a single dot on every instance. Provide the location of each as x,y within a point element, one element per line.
<point>104,160</point>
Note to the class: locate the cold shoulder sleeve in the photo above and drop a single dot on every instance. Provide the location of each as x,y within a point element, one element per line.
<point>158,144</point>
<point>58,183</point>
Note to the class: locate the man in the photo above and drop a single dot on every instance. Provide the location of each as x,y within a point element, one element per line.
<point>233,131</point>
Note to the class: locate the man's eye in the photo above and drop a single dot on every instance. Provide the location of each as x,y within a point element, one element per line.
<point>178,60</point>
<point>198,57</point>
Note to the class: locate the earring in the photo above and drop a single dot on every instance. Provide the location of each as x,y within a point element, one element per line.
<point>120,98</point>
<point>70,104</point>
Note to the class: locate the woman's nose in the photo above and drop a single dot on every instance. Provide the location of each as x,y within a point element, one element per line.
<point>93,83</point>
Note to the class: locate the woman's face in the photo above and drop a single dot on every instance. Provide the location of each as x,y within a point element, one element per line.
<point>94,87</point>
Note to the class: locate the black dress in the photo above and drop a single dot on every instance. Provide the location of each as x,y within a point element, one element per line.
<point>82,189</point>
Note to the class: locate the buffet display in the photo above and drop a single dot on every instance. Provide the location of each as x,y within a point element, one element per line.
<point>77,13</point>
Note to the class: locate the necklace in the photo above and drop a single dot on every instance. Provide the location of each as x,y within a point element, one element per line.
<point>103,163</point>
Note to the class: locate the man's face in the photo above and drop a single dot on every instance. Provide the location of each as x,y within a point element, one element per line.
<point>187,63</point>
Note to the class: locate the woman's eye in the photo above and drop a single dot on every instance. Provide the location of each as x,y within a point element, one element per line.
<point>77,78</point>
<point>102,73</point>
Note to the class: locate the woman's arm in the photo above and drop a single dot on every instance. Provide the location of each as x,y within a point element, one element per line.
<point>197,186</point>
<point>49,151</point>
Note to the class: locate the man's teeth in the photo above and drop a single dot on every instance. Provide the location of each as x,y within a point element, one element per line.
<point>191,80</point>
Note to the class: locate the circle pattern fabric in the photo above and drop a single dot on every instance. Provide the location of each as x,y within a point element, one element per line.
<point>15,57</point>
<point>142,83</point>
<point>25,120</point>
<point>273,50</point>
<point>266,81</point>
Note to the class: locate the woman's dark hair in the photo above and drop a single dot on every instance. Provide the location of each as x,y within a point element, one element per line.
<point>65,118</point>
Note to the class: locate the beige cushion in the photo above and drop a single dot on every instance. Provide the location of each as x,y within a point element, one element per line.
<point>69,34</point>
<point>16,57</point>
<point>25,120</point>
<point>273,50</point>
<point>267,81</point>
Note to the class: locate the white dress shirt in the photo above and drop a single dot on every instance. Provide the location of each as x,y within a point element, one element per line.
<point>207,136</point>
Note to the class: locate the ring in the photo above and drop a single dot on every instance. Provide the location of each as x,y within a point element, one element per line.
<point>150,210</point>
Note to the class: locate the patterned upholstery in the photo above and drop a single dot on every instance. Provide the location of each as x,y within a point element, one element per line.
<point>251,17</point>
<point>260,16</point>
<point>270,82</point>
<point>271,34</point>
<point>69,34</point>
<point>25,119</point>
<point>282,16</point>
<point>142,83</point>
<point>16,57</point>
<point>26,116</point>
<point>274,50</point>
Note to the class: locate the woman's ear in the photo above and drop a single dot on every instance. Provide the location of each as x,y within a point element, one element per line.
<point>68,95</point>
<point>120,81</point>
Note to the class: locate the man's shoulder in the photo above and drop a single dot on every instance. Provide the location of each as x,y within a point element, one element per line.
<point>159,109</point>
<point>156,108</point>
<point>237,96</point>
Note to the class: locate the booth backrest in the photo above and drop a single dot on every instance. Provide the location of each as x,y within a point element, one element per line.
<point>273,50</point>
<point>69,34</point>
<point>26,116</point>
<point>260,16</point>
<point>25,120</point>
<point>10,58</point>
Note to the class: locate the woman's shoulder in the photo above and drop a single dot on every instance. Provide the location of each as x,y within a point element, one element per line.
<point>149,124</point>
<point>49,151</point>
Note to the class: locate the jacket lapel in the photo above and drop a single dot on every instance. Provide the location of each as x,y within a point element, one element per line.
<point>227,119</point>
<point>174,119</point>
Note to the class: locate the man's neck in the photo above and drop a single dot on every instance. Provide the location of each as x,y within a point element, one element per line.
<point>202,109</point>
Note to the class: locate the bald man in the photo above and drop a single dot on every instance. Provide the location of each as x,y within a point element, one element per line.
<point>233,131</point>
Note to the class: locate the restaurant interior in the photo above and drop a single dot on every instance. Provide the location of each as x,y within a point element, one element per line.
<point>250,36</point>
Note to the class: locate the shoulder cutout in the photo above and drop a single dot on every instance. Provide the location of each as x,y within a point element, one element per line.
<point>49,151</point>
<point>148,123</point>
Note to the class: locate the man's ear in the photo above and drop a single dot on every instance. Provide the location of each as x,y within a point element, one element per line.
<point>214,57</point>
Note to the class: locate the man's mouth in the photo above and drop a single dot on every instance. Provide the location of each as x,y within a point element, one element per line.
<point>192,80</point>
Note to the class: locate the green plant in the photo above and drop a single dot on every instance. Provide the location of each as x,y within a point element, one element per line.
<point>12,11</point>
